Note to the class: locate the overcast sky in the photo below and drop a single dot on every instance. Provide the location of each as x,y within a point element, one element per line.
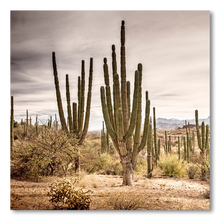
<point>173,47</point>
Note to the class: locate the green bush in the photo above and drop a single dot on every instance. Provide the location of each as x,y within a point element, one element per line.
<point>172,166</point>
<point>141,167</point>
<point>49,153</point>
<point>66,196</point>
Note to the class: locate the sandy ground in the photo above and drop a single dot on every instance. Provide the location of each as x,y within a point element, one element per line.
<point>109,194</point>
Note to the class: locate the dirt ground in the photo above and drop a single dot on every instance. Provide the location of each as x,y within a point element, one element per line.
<point>109,194</point>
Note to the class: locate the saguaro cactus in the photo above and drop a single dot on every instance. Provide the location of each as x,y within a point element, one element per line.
<point>12,122</point>
<point>178,151</point>
<point>123,125</point>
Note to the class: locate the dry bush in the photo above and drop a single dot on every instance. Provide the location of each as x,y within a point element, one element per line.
<point>126,200</point>
<point>89,181</point>
<point>192,170</point>
<point>66,196</point>
<point>172,166</point>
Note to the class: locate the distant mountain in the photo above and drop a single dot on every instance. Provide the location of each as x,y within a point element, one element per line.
<point>172,123</point>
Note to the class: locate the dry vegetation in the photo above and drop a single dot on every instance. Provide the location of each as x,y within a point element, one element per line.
<point>108,194</point>
<point>102,174</point>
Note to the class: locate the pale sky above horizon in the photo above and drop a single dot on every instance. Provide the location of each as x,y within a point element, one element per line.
<point>173,46</point>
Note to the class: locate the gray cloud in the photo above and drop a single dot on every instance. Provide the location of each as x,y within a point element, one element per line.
<point>173,47</point>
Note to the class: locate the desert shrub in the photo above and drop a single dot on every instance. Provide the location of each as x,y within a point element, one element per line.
<point>49,153</point>
<point>125,201</point>
<point>192,170</point>
<point>141,167</point>
<point>172,166</point>
<point>64,195</point>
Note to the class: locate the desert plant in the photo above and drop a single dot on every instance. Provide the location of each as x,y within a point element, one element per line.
<point>126,201</point>
<point>149,151</point>
<point>155,137</point>
<point>64,195</point>
<point>172,166</point>
<point>49,153</point>
<point>10,123</point>
<point>202,143</point>
<point>78,124</point>
<point>104,140</point>
<point>120,122</point>
<point>191,170</point>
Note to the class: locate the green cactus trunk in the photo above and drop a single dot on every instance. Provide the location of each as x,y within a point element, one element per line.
<point>36,125</point>
<point>188,147</point>
<point>166,143</point>
<point>121,121</point>
<point>184,144</point>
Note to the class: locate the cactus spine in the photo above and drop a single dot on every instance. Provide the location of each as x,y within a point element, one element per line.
<point>123,123</point>
<point>12,122</point>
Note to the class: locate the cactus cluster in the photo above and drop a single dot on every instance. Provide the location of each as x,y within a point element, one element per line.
<point>123,123</point>
<point>78,119</point>
<point>203,142</point>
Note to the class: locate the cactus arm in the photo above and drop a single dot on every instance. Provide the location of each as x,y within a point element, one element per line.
<point>88,105</point>
<point>134,107</point>
<point>129,99</point>
<point>203,135</point>
<point>123,80</point>
<point>207,137</point>
<point>114,62</point>
<point>137,135</point>
<point>68,104</point>
<point>75,118</point>
<point>197,129</point>
<point>155,134</point>
<point>79,101</point>
<point>117,101</point>
<point>146,122</point>
<point>108,93</point>
<point>82,101</point>
<point>105,114</point>
<point>58,95</point>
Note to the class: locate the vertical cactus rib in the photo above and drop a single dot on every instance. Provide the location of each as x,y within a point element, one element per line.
<point>12,122</point>
<point>88,104</point>
<point>70,122</point>
<point>58,95</point>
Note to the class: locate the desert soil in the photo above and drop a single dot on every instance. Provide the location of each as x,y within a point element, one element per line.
<point>148,194</point>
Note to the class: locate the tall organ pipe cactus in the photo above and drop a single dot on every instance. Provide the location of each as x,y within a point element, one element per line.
<point>155,137</point>
<point>78,118</point>
<point>123,123</point>
<point>12,122</point>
